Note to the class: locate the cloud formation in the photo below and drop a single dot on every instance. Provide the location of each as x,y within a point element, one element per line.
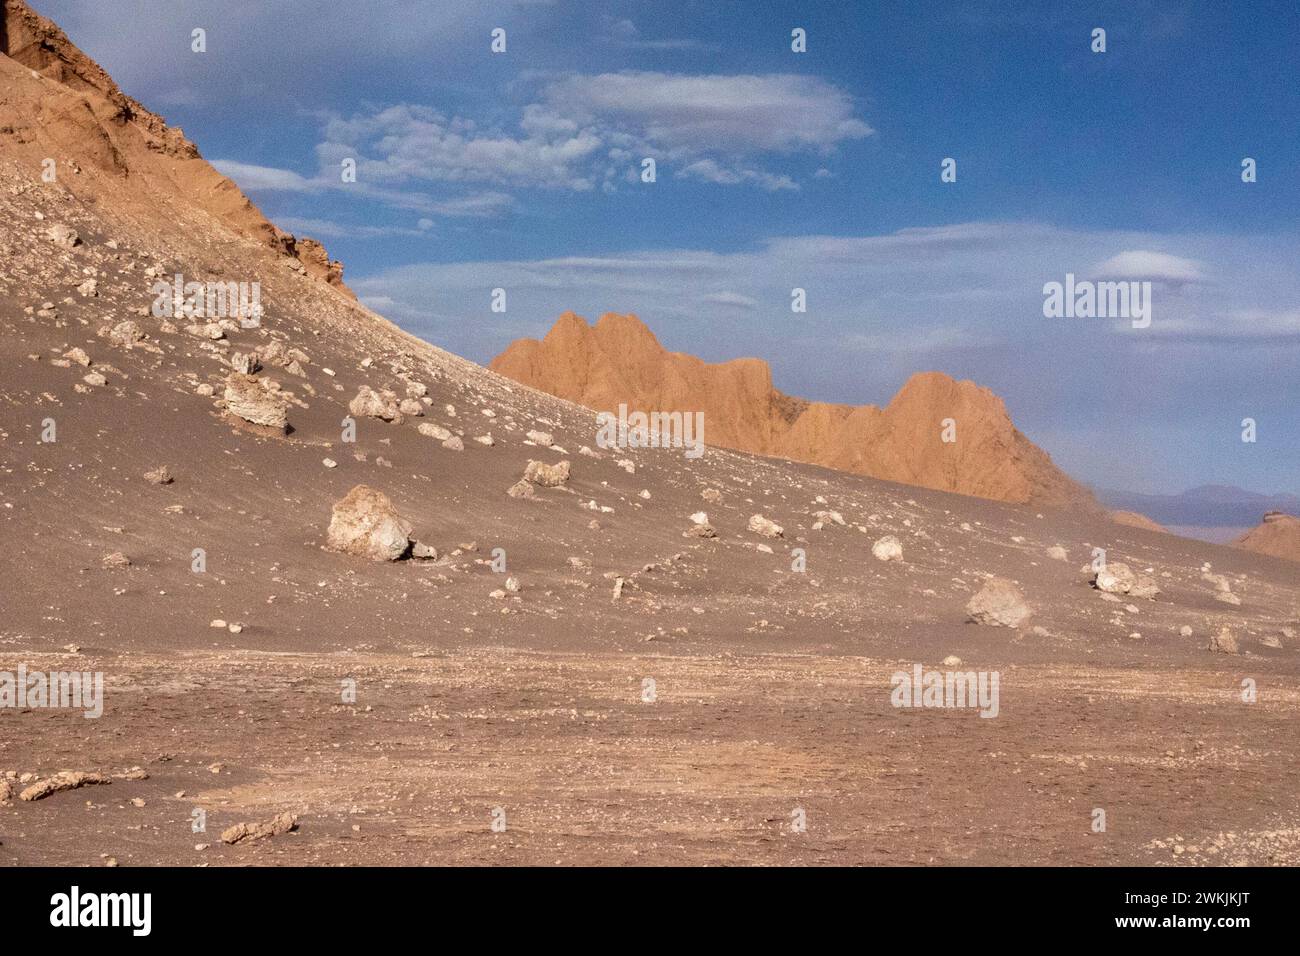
<point>407,143</point>
<point>1143,265</point>
<point>580,132</point>
<point>705,113</point>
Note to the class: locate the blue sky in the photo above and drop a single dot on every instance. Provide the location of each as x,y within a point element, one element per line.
<point>778,169</point>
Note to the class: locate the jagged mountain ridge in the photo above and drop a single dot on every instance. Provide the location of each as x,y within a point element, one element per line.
<point>619,360</point>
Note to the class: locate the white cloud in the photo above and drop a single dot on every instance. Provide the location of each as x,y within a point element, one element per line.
<point>329,229</point>
<point>586,131</point>
<point>916,341</point>
<point>1145,265</point>
<point>935,291</point>
<point>478,205</point>
<point>256,179</point>
<point>620,29</point>
<point>781,112</point>
<point>734,299</point>
<point>407,143</point>
<point>710,171</point>
<point>1238,324</point>
<point>252,178</point>
<point>624,33</point>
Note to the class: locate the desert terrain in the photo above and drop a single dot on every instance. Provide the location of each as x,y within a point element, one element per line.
<point>640,675</point>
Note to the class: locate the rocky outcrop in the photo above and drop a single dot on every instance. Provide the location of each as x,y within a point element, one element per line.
<point>63,236</point>
<point>116,136</point>
<point>619,361</point>
<point>318,264</point>
<point>65,780</point>
<point>256,401</point>
<point>1277,535</point>
<point>548,476</point>
<point>248,832</point>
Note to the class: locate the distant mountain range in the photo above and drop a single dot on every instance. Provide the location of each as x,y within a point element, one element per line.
<point>1209,506</point>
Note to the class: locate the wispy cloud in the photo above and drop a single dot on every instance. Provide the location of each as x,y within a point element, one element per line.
<point>329,229</point>
<point>1278,325</point>
<point>696,113</point>
<point>933,290</point>
<point>733,299</point>
<point>582,131</point>
<point>710,171</point>
<point>408,143</point>
<point>1145,265</point>
<point>268,179</point>
<point>251,178</point>
<point>622,32</point>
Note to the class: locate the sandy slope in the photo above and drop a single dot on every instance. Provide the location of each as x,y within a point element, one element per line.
<point>1135,520</point>
<point>1277,535</point>
<point>772,686</point>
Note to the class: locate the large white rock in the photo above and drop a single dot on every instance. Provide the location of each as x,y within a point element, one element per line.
<point>888,548</point>
<point>366,524</point>
<point>430,430</point>
<point>255,400</point>
<point>371,404</point>
<point>998,603</point>
<point>1114,578</point>
<point>765,527</point>
<point>1117,578</point>
<point>548,476</point>
<point>64,236</point>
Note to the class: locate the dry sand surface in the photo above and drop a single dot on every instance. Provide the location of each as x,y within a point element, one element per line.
<point>529,690</point>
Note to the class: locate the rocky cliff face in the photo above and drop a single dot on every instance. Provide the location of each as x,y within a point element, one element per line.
<point>619,360</point>
<point>58,106</point>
